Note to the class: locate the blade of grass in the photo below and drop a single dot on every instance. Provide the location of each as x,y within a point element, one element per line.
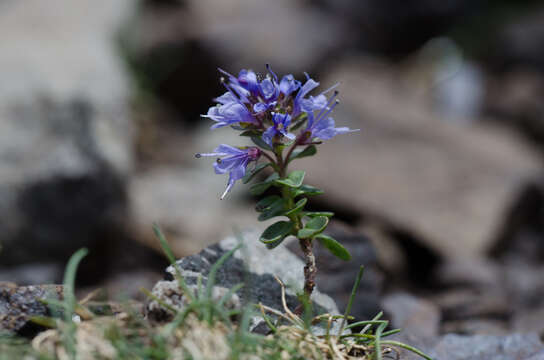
<point>230,293</point>
<point>366,322</point>
<point>69,282</point>
<point>211,279</point>
<point>69,328</point>
<point>378,340</point>
<point>367,327</point>
<point>351,299</point>
<point>407,347</point>
<point>172,259</point>
<point>149,294</point>
<point>213,270</point>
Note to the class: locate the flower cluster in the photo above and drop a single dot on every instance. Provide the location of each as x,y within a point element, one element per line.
<point>269,110</point>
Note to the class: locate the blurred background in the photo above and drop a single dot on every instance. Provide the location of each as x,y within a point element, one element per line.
<point>441,195</point>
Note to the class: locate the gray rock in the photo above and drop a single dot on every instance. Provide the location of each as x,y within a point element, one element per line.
<point>518,42</point>
<point>32,274</point>
<point>253,265</point>
<point>478,347</point>
<point>416,316</point>
<point>65,133</point>
<point>18,304</point>
<point>460,304</point>
<point>187,42</point>
<point>388,26</point>
<point>411,170</point>
<point>483,347</point>
<point>473,273</point>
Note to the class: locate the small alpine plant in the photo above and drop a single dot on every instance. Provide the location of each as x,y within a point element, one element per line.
<point>285,123</point>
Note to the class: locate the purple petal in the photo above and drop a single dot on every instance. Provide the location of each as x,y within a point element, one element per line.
<point>288,84</point>
<point>228,164</point>
<point>268,135</point>
<point>226,98</point>
<point>308,86</point>
<point>236,173</point>
<point>314,103</point>
<point>229,150</point>
<point>268,89</point>
<point>260,107</point>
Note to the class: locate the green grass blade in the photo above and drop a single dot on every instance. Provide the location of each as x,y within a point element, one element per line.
<point>172,259</point>
<point>367,327</point>
<point>366,322</point>
<point>407,347</point>
<point>69,283</point>
<point>230,293</point>
<point>351,298</point>
<point>378,341</point>
<point>213,271</point>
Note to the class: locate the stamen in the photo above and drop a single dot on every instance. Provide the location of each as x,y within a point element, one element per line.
<point>218,160</point>
<point>329,89</point>
<point>335,94</point>
<point>270,71</point>
<point>198,155</point>
<point>229,89</point>
<point>225,73</point>
<point>328,112</point>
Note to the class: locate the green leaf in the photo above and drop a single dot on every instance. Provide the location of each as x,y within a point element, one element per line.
<point>276,233</point>
<point>307,151</point>
<point>251,133</point>
<point>259,188</point>
<point>308,190</point>
<point>247,178</point>
<point>298,207</point>
<point>313,227</point>
<point>276,208</point>
<point>265,202</point>
<point>294,179</point>
<point>334,247</point>
<point>257,140</point>
<point>318,213</point>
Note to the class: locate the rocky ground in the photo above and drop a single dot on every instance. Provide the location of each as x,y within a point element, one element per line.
<point>440,195</point>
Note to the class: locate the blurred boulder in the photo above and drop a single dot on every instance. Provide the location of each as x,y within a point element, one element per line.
<point>519,42</point>
<point>473,311</point>
<point>411,314</point>
<point>477,347</point>
<point>181,193</point>
<point>397,28</point>
<point>174,51</point>
<point>514,98</point>
<point>65,134</point>
<point>32,274</point>
<point>449,186</point>
<point>522,237</point>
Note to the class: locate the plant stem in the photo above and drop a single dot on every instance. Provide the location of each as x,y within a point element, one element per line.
<point>310,268</point>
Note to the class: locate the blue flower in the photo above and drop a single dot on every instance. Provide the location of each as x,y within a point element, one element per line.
<point>281,123</point>
<point>229,113</point>
<point>301,103</point>
<point>288,85</point>
<point>232,160</point>
<point>324,129</point>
